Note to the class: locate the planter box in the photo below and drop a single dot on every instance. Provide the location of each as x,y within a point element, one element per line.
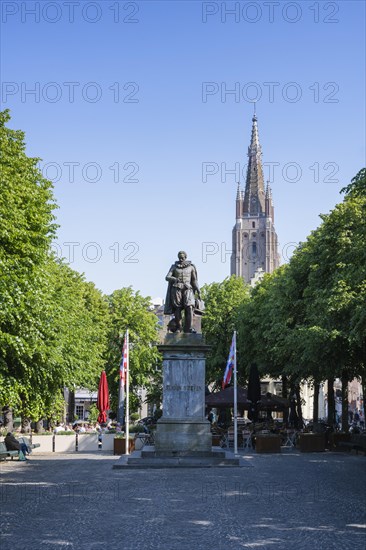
<point>312,443</point>
<point>65,443</point>
<point>45,442</point>
<point>107,442</point>
<point>87,442</point>
<point>119,447</point>
<point>270,443</point>
<point>336,438</point>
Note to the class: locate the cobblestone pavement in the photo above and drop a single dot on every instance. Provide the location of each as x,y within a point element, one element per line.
<point>78,502</point>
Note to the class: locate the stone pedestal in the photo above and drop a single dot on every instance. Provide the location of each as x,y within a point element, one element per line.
<point>183,429</point>
<point>183,435</point>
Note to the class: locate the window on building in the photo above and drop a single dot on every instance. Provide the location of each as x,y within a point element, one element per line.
<point>253,224</point>
<point>79,411</point>
<point>278,386</point>
<point>254,249</point>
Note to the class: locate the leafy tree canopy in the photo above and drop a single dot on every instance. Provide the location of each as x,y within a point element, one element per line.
<point>129,310</point>
<point>222,301</point>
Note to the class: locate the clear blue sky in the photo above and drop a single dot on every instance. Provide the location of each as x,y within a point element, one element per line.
<point>310,51</point>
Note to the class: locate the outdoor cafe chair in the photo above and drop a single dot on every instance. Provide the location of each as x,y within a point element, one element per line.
<point>230,437</point>
<point>224,442</point>
<point>247,440</point>
<point>290,439</point>
<point>142,439</point>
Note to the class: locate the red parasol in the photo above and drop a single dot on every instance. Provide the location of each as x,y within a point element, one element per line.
<point>103,398</point>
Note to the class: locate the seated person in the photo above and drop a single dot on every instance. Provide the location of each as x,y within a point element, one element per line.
<point>13,444</point>
<point>59,428</point>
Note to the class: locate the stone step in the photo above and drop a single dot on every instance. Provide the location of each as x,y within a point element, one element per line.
<point>148,460</point>
<point>150,463</point>
<point>149,452</point>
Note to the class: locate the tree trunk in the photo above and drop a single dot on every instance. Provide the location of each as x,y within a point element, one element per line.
<point>344,402</point>
<point>39,427</point>
<point>293,419</point>
<point>316,402</point>
<point>363,385</point>
<point>71,406</point>
<point>26,426</point>
<point>298,407</point>
<point>284,386</point>
<point>284,394</point>
<point>331,402</point>
<point>8,418</point>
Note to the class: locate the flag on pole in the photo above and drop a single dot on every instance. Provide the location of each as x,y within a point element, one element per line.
<point>123,364</point>
<point>127,374</point>
<point>122,383</point>
<point>230,364</point>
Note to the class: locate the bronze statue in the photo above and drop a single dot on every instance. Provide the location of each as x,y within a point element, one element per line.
<point>183,284</point>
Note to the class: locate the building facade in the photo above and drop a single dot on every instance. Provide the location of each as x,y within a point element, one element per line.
<point>255,243</point>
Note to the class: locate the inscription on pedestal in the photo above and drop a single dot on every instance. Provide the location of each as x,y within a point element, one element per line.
<point>182,388</point>
<point>184,382</point>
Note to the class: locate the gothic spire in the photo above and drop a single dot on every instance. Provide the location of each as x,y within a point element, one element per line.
<point>239,201</point>
<point>269,202</point>
<point>254,198</point>
<point>238,192</point>
<point>268,191</point>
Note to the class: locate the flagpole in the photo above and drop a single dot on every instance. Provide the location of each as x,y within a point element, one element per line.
<point>127,430</point>
<point>121,391</point>
<point>235,401</point>
<point>121,399</point>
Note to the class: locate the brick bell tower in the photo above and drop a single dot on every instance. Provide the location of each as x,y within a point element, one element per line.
<point>255,243</point>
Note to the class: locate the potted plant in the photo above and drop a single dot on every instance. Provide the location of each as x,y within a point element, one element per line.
<point>268,443</point>
<point>335,438</point>
<point>312,442</point>
<point>119,444</point>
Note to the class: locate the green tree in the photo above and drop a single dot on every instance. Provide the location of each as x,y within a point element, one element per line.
<point>77,338</point>
<point>307,320</point>
<point>336,287</point>
<point>357,187</point>
<point>222,301</point>
<point>52,323</point>
<point>70,344</point>
<point>129,310</point>
<point>26,231</point>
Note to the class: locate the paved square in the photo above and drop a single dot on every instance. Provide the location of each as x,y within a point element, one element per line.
<point>77,501</point>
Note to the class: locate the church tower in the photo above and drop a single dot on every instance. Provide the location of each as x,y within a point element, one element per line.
<point>255,244</point>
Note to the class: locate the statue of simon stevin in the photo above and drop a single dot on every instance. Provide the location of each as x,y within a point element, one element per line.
<point>183,284</point>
